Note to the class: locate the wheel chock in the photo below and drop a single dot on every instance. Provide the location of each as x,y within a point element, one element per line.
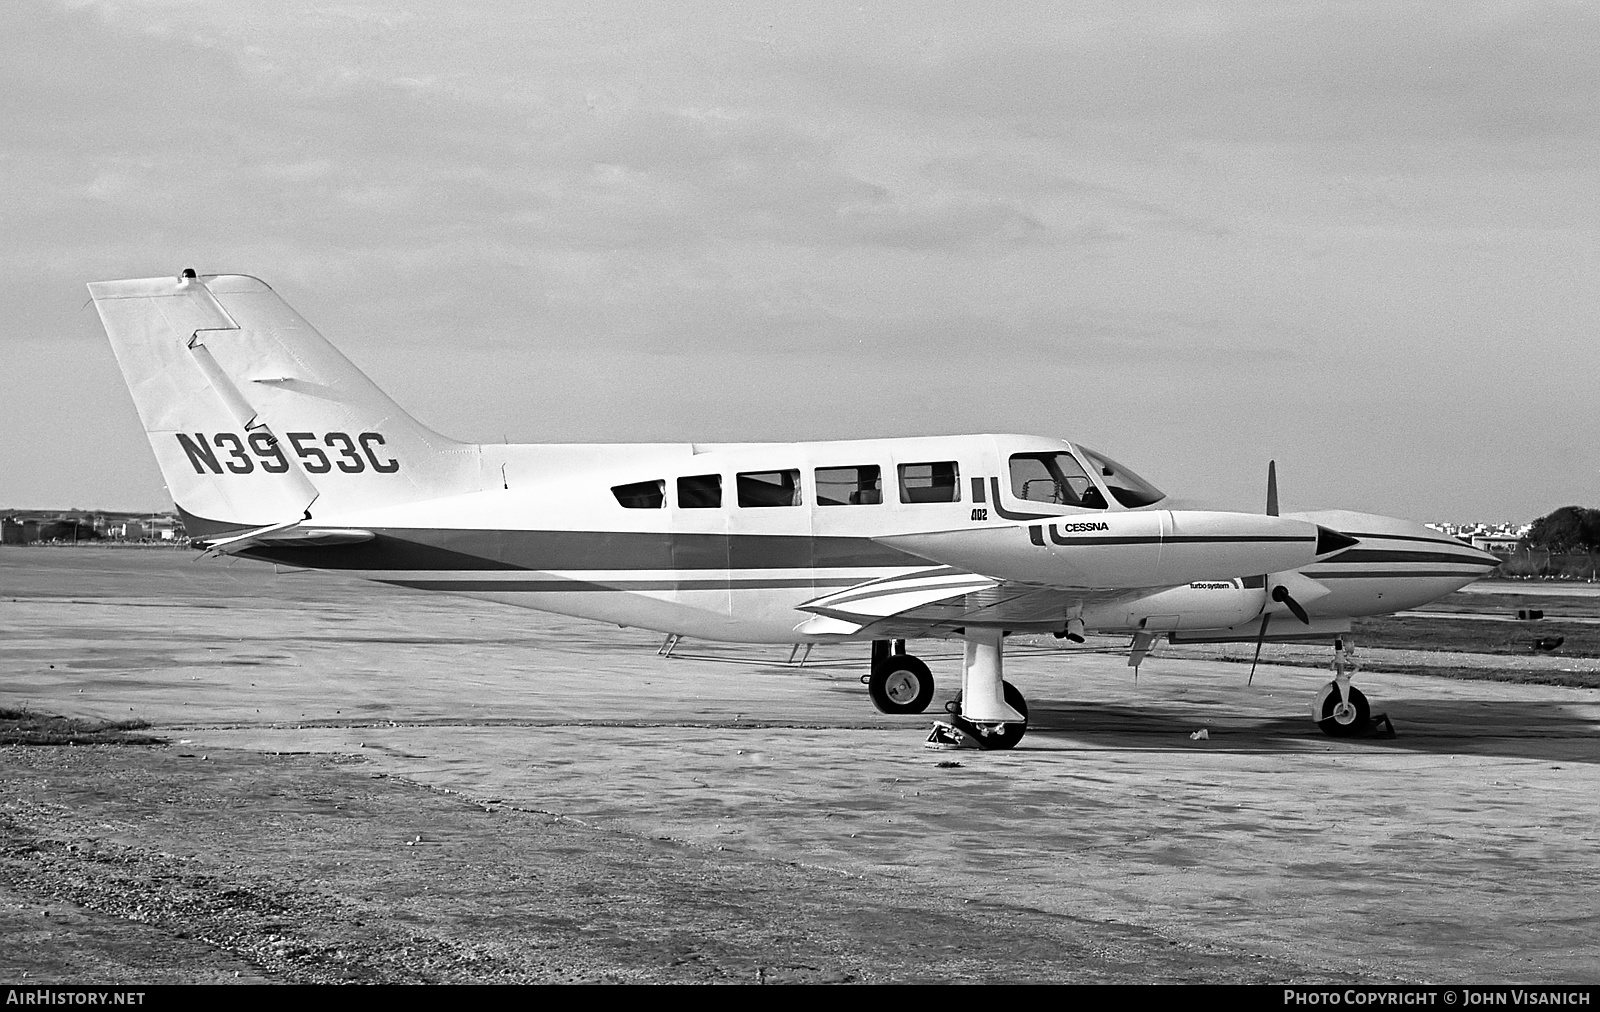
<point>948,737</point>
<point>1379,726</point>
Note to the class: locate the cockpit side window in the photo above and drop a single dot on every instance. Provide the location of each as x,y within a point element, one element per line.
<point>1054,478</point>
<point>1126,487</point>
<point>642,495</point>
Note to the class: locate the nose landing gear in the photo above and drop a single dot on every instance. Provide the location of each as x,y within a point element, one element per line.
<point>1341,709</point>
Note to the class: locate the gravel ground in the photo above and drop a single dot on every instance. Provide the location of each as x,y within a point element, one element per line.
<point>147,865</point>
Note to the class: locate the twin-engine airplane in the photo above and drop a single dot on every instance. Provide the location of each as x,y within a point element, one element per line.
<point>275,447</point>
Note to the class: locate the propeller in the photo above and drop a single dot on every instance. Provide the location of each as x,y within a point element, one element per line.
<point>1280,593</point>
<point>1261,637</point>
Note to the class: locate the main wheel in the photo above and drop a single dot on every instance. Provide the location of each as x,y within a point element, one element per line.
<point>1338,719</point>
<point>901,684</point>
<point>1003,739</point>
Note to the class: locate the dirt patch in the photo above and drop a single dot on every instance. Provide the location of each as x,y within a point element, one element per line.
<point>312,869</point>
<point>20,727</point>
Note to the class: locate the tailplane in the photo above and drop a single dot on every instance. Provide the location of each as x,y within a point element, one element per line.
<point>255,419</point>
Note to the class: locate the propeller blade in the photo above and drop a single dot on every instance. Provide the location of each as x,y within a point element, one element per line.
<point>1280,593</point>
<point>1272,488</point>
<point>1261,637</point>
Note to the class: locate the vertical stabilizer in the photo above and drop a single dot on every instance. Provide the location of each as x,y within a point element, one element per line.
<point>254,417</point>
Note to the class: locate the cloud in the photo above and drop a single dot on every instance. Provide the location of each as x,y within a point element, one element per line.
<point>1181,211</point>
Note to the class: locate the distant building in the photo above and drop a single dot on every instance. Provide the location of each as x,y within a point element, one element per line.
<point>24,527</point>
<point>1499,544</point>
<point>1489,533</point>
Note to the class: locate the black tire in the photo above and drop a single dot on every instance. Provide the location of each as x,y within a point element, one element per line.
<point>1347,724</point>
<point>901,684</point>
<point>1001,740</point>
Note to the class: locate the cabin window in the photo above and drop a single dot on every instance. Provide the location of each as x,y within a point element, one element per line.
<point>769,488</point>
<point>642,495</point>
<point>934,482</point>
<point>1125,487</point>
<point>1054,478</point>
<point>861,485</point>
<point>700,492</point>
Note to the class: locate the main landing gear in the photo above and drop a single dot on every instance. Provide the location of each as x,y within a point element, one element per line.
<point>969,734</point>
<point>988,712</point>
<point>898,683</point>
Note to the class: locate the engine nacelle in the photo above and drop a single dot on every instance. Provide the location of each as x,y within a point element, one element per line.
<point>1204,604</point>
<point>1145,548</point>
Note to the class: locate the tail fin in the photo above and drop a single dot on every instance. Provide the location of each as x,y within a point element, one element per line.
<point>254,417</point>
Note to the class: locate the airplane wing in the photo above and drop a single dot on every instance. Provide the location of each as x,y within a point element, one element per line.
<point>937,601</point>
<point>1038,576</point>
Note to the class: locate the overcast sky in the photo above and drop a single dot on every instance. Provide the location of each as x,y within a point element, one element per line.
<point>1362,239</point>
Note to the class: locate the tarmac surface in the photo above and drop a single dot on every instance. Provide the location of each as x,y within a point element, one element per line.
<point>1464,849</point>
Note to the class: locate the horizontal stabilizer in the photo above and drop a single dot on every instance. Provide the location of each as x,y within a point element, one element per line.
<point>289,535</point>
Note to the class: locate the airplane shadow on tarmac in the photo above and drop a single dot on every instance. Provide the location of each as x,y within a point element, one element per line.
<point>1533,729</point>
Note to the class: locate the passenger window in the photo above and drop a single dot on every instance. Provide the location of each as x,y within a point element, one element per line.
<point>642,495</point>
<point>700,492</point>
<point>769,488</point>
<point>861,485</point>
<point>1055,478</point>
<point>939,482</point>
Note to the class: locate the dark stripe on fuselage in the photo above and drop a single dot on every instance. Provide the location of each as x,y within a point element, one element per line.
<point>559,586</point>
<point>433,549</point>
<point>1178,539</point>
<point>1382,574</point>
<point>1443,539</point>
<point>1374,555</point>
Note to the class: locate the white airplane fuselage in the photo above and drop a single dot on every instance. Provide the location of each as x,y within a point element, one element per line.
<point>551,533</point>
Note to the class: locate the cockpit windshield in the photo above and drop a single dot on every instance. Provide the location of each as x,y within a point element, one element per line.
<point>1128,488</point>
<point>1055,478</point>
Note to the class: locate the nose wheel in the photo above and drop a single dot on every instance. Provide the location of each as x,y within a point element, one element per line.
<point>1341,716</point>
